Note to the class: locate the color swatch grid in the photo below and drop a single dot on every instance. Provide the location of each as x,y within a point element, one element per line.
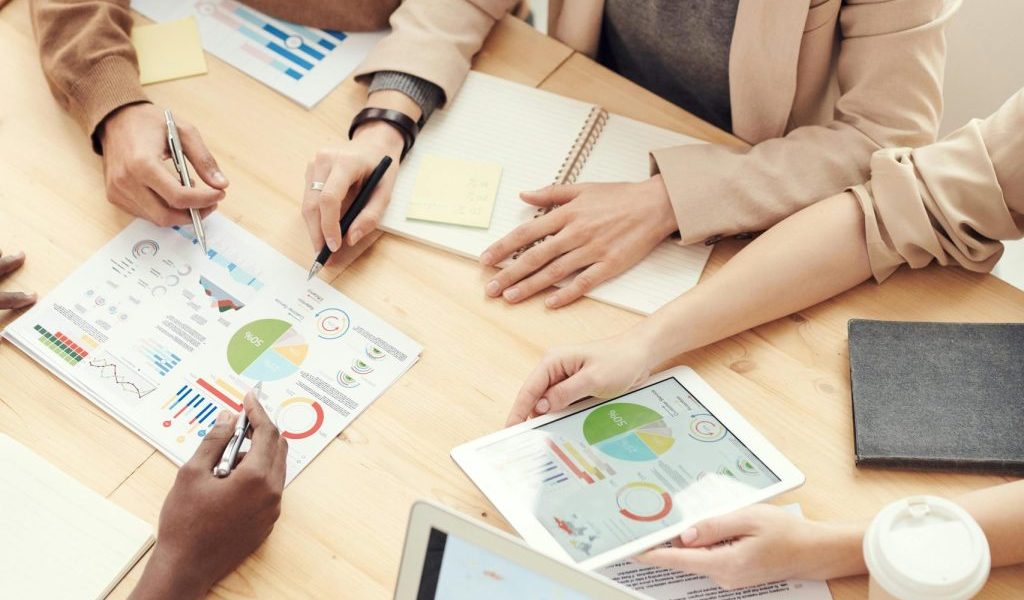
<point>63,347</point>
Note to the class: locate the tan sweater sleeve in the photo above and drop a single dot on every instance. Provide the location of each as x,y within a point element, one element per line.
<point>950,202</point>
<point>87,56</point>
<point>435,40</point>
<point>889,68</point>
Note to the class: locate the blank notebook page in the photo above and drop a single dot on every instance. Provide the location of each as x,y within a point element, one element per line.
<point>58,538</point>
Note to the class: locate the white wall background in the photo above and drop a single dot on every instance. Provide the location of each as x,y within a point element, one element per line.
<point>985,66</point>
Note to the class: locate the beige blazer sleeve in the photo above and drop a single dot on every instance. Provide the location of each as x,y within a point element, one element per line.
<point>87,56</point>
<point>435,40</point>
<point>889,70</point>
<point>949,202</point>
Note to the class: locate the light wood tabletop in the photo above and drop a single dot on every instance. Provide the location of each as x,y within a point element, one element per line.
<point>344,517</point>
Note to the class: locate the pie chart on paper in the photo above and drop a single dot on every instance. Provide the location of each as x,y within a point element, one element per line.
<point>267,350</point>
<point>628,431</point>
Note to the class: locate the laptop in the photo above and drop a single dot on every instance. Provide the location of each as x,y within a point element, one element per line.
<point>450,557</point>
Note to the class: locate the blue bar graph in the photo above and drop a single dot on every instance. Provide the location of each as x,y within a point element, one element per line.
<point>160,358</point>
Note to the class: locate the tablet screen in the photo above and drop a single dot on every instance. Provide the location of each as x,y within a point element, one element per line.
<point>455,569</point>
<point>626,468</point>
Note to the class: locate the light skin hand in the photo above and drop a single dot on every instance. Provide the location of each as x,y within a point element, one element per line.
<point>237,512</point>
<point>604,369</point>
<point>599,231</point>
<point>13,300</point>
<point>761,544</point>
<point>134,140</point>
<point>344,167</point>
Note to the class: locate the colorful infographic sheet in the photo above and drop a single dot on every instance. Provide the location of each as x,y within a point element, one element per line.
<point>632,466</point>
<point>303,63</point>
<point>164,338</point>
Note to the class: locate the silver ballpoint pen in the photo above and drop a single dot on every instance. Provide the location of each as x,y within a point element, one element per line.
<point>178,158</point>
<point>230,456</point>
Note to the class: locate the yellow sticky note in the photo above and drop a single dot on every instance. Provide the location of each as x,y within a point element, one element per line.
<point>170,50</point>
<point>451,190</point>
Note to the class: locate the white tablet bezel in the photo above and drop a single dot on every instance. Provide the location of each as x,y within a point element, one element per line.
<point>533,532</point>
<point>425,516</point>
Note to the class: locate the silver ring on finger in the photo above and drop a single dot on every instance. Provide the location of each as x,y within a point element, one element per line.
<point>317,186</point>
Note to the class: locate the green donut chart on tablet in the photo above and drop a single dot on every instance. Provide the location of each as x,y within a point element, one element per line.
<point>607,479</point>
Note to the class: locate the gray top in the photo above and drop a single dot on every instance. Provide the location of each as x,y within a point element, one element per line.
<point>678,49</point>
<point>428,95</point>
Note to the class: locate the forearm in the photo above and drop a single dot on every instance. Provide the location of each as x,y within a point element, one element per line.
<point>1000,512</point>
<point>161,579</point>
<point>807,258</point>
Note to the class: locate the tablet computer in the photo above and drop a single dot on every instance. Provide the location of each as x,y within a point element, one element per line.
<point>450,557</point>
<point>607,479</point>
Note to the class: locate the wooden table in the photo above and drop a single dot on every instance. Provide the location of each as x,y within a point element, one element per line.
<point>343,521</point>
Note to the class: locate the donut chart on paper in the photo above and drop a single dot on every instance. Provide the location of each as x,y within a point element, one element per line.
<point>332,323</point>
<point>643,501</point>
<point>267,350</point>
<point>298,418</point>
<point>628,431</point>
<point>705,428</point>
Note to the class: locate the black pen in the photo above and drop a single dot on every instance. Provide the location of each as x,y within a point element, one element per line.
<point>353,211</point>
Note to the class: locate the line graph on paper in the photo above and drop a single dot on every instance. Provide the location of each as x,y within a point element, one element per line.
<point>130,382</point>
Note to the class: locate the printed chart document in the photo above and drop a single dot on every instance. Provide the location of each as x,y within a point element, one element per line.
<point>666,584</point>
<point>164,338</point>
<point>303,63</point>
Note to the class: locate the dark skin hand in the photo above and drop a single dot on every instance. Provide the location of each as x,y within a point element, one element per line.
<point>13,300</point>
<point>238,511</point>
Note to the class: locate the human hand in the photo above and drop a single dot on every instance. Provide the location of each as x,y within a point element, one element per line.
<point>13,300</point>
<point>220,521</point>
<point>604,368</point>
<point>342,169</point>
<point>600,229</point>
<point>134,140</point>
<point>761,544</point>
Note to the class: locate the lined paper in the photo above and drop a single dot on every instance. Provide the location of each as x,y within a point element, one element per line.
<point>530,132</point>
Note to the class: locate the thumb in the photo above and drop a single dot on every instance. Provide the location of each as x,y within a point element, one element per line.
<point>200,157</point>
<point>578,385</point>
<point>552,195</point>
<point>718,529</point>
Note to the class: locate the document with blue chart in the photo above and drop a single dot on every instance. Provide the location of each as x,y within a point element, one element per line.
<point>303,63</point>
<point>165,338</point>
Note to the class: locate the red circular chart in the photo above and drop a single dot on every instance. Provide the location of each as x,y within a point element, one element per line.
<point>299,418</point>
<point>644,501</point>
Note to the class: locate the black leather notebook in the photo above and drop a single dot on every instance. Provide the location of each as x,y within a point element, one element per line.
<point>946,396</point>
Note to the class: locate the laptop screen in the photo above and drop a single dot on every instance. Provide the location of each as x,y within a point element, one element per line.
<point>455,569</point>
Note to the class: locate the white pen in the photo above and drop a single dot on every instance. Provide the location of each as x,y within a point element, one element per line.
<point>230,456</point>
<point>178,158</point>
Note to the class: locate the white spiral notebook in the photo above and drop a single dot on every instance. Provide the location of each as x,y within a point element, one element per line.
<point>541,138</point>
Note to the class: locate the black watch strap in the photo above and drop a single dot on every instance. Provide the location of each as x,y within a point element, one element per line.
<point>397,119</point>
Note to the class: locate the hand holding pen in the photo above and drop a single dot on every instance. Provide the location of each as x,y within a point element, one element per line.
<point>209,525</point>
<point>133,140</point>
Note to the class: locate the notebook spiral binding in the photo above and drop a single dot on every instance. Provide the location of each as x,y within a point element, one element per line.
<point>574,161</point>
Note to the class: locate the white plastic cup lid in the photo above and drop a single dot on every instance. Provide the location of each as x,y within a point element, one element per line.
<point>927,548</point>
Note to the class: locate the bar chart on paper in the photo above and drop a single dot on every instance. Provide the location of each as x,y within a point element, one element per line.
<point>303,63</point>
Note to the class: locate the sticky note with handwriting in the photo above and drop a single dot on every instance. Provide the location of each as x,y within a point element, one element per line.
<point>169,50</point>
<point>455,191</point>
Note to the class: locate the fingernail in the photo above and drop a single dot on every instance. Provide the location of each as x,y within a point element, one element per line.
<point>333,244</point>
<point>493,287</point>
<point>486,258</point>
<point>355,236</point>
<point>551,301</point>
<point>511,294</point>
<point>689,536</point>
<point>220,178</point>
<point>542,407</point>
